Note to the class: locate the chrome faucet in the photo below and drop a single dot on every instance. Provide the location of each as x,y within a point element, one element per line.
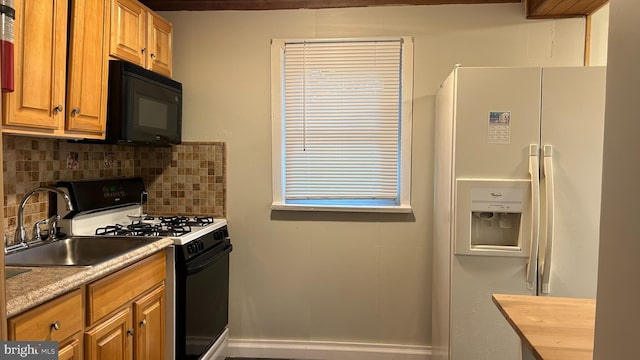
<point>21,233</point>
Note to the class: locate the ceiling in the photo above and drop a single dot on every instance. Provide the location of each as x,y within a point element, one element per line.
<point>539,9</point>
<point>536,9</point>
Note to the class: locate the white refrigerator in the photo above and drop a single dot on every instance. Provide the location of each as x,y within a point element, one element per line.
<point>518,159</point>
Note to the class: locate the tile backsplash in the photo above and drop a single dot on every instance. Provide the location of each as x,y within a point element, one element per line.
<point>186,179</point>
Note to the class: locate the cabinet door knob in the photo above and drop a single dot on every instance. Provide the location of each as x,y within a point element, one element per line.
<point>56,325</point>
<point>143,322</point>
<point>57,109</point>
<point>153,55</point>
<point>75,112</point>
<point>143,50</point>
<point>130,332</point>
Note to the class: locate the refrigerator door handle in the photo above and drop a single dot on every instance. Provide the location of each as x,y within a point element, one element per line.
<point>534,171</point>
<point>545,252</point>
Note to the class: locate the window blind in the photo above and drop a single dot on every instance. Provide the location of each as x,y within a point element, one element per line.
<point>342,119</point>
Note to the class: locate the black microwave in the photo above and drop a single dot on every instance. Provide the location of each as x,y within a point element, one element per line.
<point>143,108</point>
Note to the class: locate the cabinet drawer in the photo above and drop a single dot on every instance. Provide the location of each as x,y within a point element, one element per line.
<point>106,295</point>
<point>38,323</point>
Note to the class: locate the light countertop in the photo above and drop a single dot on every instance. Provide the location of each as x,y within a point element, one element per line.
<point>34,287</point>
<point>552,328</point>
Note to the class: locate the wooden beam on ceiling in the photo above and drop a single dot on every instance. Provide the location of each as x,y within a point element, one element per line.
<point>204,5</point>
<point>549,9</point>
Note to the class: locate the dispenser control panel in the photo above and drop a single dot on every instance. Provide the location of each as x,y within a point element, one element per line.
<point>497,199</point>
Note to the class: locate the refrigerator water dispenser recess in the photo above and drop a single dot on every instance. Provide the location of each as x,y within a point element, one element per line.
<point>494,228</point>
<point>491,217</point>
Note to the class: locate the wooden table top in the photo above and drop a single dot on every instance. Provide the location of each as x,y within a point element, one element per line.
<point>552,328</point>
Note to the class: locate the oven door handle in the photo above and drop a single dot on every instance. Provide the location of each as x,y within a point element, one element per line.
<point>206,259</point>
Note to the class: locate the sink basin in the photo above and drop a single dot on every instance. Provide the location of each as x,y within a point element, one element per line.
<point>76,251</point>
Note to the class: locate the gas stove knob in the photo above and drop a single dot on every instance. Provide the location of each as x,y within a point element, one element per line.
<point>200,245</point>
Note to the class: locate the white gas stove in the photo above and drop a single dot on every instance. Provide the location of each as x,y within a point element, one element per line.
<point>129,220</point>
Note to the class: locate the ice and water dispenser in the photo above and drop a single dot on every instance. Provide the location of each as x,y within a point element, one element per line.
<point>492,217</point>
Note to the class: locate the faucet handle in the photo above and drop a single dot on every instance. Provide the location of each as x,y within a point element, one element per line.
<point>37,233</point>
<point>53,226</point>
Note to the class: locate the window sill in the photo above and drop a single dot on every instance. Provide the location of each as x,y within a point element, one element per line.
<point>402,209</point>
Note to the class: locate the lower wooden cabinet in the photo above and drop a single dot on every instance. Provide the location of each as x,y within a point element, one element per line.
<point>72,350</point>
<point>125,313</point>
<point>136,331</point>
<point>149,329</point>
<point>110,338</point>
<point>125,316</point>
<point>60,319</point>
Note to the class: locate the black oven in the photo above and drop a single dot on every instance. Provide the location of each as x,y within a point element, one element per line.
<point>201,292</point>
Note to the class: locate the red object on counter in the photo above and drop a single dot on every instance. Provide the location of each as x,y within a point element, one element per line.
<point>7,17</point>
<point>6,52</point>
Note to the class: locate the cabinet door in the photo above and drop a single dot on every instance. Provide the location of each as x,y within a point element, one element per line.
<point>128,29</point>
<point>72,350</point>
<point>87,72</point>
<point>110,339</point>
<point>159,42</point>
<point>40,49</point>
<point>148,313</point>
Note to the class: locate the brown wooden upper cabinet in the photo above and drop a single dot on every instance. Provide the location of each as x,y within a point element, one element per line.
<point>56,94</point>
<point>140,36</point>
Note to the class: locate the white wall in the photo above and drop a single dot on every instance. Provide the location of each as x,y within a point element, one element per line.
<point>599,37</point>
<point>337,277</point>
<point>618,301</point>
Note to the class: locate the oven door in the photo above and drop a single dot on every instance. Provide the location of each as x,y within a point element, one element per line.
<point>202,301</point>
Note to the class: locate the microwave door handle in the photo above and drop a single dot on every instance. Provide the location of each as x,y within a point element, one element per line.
<point>163,140</point>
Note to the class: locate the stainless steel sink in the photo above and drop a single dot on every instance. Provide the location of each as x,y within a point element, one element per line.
<point>76,251</point>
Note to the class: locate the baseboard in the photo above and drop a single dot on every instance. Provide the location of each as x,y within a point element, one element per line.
<point>324,350</point>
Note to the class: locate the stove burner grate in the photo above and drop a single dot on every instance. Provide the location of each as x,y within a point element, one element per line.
<point>138,228</point>
<point>172,226</point>
<point>113,230</point>
<point>183,220</point>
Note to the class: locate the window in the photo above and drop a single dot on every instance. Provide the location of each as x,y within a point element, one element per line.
<point>341,113</point>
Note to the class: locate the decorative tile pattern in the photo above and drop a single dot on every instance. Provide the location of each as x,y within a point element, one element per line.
<point>187,179</point>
